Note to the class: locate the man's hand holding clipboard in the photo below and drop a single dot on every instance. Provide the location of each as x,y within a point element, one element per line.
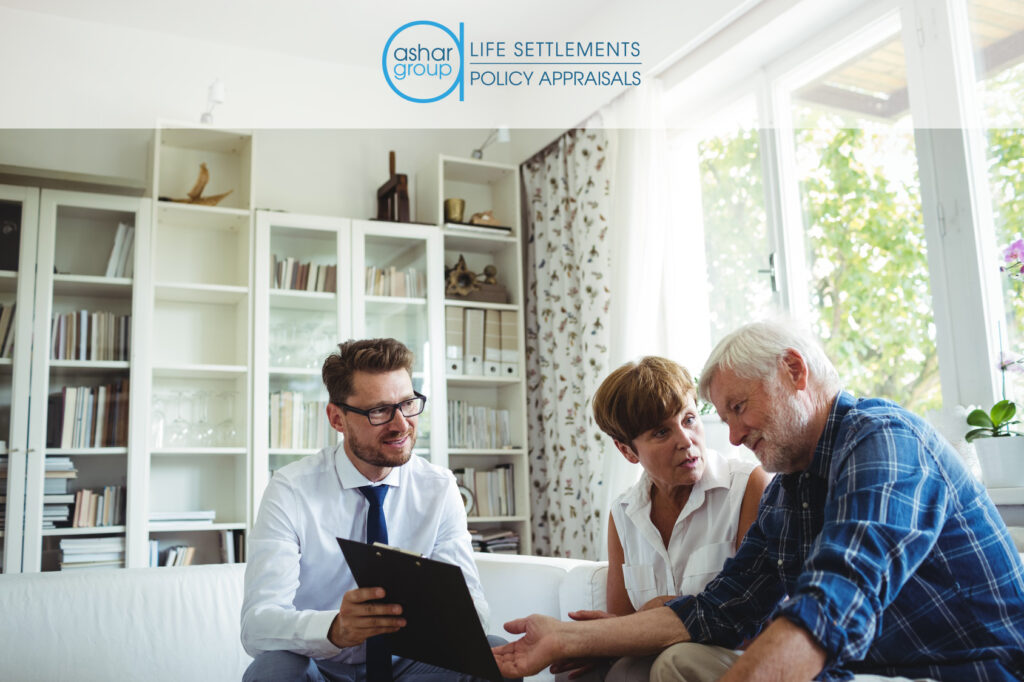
<point>429,614</point>
<point>362,615</point>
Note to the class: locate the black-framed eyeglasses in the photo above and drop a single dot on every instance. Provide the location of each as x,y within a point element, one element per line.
<point>382,414</point>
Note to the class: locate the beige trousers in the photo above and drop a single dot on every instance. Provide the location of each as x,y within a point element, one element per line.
<point>689,662</point>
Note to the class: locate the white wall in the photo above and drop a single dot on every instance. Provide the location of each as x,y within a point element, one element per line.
<point>62,72</point>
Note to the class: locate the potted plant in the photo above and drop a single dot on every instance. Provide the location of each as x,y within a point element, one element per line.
<point>1000,452</point>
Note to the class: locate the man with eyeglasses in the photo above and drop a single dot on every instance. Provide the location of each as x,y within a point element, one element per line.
<point>369,487</point>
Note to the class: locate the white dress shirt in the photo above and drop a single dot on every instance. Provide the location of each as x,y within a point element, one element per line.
<point>703,537</point>
<point>296,574</point>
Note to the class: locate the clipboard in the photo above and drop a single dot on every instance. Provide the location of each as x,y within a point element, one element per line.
<point>442,625</point>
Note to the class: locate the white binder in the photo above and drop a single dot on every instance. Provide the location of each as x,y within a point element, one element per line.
<point>492,343</point>
<point>473,357</point>
<point>454,339</point>
<point>509,343</point>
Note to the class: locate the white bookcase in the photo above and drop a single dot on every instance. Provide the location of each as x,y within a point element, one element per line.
<point>387,283</point>
<point>486,186</point>
<point>219,345</point>
<point>16,288</point>
<point>76,235</point>
<point>197,444</point>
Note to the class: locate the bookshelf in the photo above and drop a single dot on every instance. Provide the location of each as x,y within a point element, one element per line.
<point>387,283</point>
<point>501,387</point>
<point>197,444</point>
<point>84,426</point>
<point>20,206</point>
<point>296,328</point>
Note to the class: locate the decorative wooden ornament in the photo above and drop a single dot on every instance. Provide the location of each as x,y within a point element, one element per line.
<point>195,195</point>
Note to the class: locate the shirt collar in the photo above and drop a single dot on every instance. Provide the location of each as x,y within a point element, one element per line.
<point>822,461</point>
<point>716,475</point>
<point>349,476</point>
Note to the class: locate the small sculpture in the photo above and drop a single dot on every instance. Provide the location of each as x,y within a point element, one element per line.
<point>195,195</point>
<point>490,275</point>
<point>461,281</point>
<point>483,218</point>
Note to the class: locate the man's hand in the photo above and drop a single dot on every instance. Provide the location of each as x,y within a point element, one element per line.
<point>361,617</point>
<point>538,648</point>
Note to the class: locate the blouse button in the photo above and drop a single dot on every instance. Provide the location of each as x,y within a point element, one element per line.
<point>780,562</point>
<point>805,505</point>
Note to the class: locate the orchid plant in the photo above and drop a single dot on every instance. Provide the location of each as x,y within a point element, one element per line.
<point>997,421</point>
<point>1013,259</point>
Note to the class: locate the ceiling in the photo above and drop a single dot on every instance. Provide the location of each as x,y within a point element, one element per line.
<point>875,82</point>
<point>333,31</point>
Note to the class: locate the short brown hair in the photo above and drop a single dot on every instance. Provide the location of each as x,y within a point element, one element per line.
<point>641,395</point>
<point>376,356</point>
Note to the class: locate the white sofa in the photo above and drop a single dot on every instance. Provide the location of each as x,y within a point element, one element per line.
<point>183,623</point>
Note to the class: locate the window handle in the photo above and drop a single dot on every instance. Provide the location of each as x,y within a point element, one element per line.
<point>770,271</point>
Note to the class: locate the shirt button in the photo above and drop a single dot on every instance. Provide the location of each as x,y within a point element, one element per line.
<point>780,562</point>
<point>805,505</point>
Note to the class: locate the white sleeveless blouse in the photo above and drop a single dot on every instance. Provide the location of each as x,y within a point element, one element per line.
<point>703,537</point>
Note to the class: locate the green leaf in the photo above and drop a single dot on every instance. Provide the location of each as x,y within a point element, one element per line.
<point>980,418</point>
<point>1003,412</point>
<point>974,434</point>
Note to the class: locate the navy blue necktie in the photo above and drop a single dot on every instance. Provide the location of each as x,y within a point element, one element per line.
<point>378,648</point>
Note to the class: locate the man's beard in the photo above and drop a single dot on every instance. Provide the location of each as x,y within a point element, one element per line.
<point>371,453</point>
<point>781,436</point>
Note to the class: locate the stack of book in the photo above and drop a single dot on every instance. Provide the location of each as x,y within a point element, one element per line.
<point>476,426</point>
<point>495,541</point>
<point>180,555</point>
<point>493,490</point>
<point>96,336</point>
<point>297,423</point>
<point>6,330</point>
<point>232,546</point>
<point>407,283</point>
<point>120,262</point>
<point>179,519</point>
<point>90,417</point>
<point>80,553</point>
<point>103,508</point>
<point>291,274</point>
<point>58,473</point>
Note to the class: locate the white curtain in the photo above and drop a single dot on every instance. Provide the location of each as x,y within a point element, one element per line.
<point>567,334</point>
<point>651,274</point>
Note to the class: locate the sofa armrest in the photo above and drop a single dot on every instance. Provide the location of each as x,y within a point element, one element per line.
<point>584,588</point>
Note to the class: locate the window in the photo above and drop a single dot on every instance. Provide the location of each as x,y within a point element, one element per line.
<point>997,37</point>
<point>865,252</point>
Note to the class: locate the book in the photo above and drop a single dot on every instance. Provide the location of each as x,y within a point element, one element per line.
<point>115,251</point>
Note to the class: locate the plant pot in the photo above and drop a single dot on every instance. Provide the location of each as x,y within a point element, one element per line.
<point>1002,461</point>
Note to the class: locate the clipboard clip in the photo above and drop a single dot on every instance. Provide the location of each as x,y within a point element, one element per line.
<point>398,549</point>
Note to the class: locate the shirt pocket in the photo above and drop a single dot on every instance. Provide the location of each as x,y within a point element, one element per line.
<point>703,565</point>
<point>641,585</point>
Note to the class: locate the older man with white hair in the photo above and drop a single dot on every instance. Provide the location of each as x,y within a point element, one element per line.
<point>875,554</point>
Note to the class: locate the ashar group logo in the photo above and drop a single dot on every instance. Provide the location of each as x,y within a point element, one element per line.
<point>423,61</point>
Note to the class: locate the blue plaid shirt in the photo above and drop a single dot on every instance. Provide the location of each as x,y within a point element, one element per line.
<point>885,549</point>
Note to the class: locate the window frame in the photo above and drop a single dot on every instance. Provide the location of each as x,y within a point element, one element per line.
<point>949,145</point>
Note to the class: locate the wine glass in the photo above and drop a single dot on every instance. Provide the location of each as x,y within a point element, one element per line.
<point>202,429</point>
<point>226,432</point>
<point>178,432</point>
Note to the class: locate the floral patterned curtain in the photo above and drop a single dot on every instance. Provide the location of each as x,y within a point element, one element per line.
<point>567,194</point>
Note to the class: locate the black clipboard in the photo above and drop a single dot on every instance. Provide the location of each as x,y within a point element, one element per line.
<point>442,625</point>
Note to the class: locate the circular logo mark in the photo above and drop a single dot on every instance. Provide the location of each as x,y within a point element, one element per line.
<point>422,61</point>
